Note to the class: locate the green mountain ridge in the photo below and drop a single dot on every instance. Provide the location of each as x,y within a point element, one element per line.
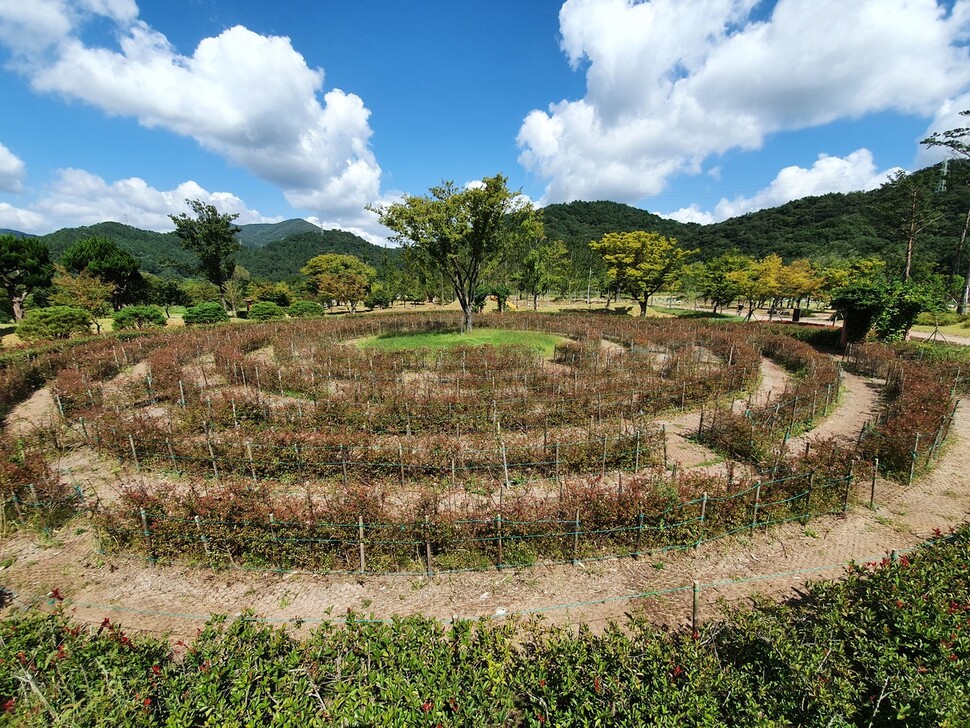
<point>274,251</point>
<point>257,235</point>
<point>836,225</point>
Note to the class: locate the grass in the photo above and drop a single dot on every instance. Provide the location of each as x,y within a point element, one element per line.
<point>542,344</point>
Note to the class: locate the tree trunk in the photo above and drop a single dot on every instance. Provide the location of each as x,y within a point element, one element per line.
<point>643,307</point>
<point>18,306</point>
<point>962,306</point>
<point>467,321</point>
<point>535,302</point>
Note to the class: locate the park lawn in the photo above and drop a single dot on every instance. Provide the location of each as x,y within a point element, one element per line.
<point>542,344</point>
<point>951,330</point>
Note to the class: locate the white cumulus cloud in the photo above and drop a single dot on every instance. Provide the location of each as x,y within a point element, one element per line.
<point>248,97</point>
<point>12,171</point>
<point>668,86</point>
<point>78,197</point>
<point>855,172</point>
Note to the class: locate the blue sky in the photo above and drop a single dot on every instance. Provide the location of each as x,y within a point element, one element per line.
<point>693,109</point>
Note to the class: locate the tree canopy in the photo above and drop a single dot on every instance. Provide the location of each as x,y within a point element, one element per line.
<point>338,277</point>
<point>641,262</point>
<point>101,258</point>
<point>212,237</point>
<point>24,266</point>
<point>461,231</point>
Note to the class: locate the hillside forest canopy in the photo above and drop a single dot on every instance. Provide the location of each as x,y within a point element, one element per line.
<point>905,240</point>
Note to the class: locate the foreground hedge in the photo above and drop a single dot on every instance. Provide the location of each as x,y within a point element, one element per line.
<point>887,645</point>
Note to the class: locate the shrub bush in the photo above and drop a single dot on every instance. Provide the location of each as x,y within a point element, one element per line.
<point>139,317</point>
<point>306,309</point>
<point>944,318</point>
<point>206,313</point>
<point>54,322</point>
<point>266,311</point>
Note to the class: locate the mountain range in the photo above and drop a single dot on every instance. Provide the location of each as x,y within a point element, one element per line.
<point>836,225</point>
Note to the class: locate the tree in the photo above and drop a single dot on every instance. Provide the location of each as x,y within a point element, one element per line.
<point>101,258</point>
<point>907,212</point>
<point>24,266</point>
<point>339,277</point>
<point>716,283</point>
<point>54,322</point>
<point>543,267</point>
<point>83,291</point>
<point>881,307</point>
<point>640,263</point>
<point>212,237</point>
<point>461,232</point>
<point>798,280</point>
<point>759,281</point>
<point>166,292</point>
<point>956,140</point>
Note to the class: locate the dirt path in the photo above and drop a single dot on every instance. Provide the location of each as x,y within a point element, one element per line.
<point>942,338</point>
<point>694,456</point>
<point>859,402</point>
<point>35,411</point>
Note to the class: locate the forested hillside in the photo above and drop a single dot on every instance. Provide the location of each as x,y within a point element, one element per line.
<point>833,225</point>
<point>158,253</point>
<point>283,259</point>
<point>268,254</point>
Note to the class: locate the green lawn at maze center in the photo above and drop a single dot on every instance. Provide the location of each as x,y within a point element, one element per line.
<point>542,344</point>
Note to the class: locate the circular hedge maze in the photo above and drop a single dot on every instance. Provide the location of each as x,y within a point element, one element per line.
<point>307,445</point>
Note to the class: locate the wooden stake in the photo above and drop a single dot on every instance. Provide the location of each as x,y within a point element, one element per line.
<point>205,540</point>
<point>134,453</point>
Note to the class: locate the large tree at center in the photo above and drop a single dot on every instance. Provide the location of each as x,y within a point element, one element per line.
<point>640,262</point>
<point>461,231</point>
<point>212,237</point>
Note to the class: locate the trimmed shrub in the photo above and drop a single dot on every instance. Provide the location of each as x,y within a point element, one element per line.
<point>206,313</point>
<point>139,317</point>
<point>306,309</point>
<point>54,322</point>
<point>266,311</point>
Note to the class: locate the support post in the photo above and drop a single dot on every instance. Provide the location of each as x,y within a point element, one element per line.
<point>148,537</point>
<point>427,545</point>
<point>576,539</point>
<point>134,453</point>
<point>202,536</point>
<point>872,490</point>
<point>360,542</point>
<point>695,608</point>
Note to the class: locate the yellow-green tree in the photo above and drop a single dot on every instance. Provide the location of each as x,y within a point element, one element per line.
<point>759,282</point>
<point>641,263</point>
<point>339,277</point>
<point>83,291</point>
<point>798,281</point>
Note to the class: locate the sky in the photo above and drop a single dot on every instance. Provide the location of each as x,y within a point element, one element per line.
<point>697,110</point>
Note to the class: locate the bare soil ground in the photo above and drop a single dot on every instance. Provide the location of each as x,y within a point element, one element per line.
<point>177,599</point>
